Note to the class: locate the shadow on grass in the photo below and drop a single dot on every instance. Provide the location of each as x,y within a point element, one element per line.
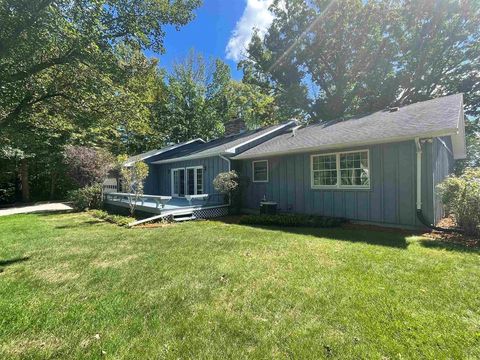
<point>450,246</point>
<point>51,212</point>
<point>380,238</point>
<point>79,225</point>
<point>5,263</point>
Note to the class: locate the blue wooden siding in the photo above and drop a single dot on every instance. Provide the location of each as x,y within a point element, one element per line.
<point>390,200</point>
<point>159,182</point>
<point>443,163</point>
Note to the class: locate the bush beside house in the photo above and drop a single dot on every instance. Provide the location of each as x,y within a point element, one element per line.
<point>461,196</point>
<point>291,220</point>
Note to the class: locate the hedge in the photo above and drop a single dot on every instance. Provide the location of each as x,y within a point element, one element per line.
<point>114,219</point>
<point>291,220</point>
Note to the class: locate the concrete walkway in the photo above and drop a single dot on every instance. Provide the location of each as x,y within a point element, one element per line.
<point>50,207</point>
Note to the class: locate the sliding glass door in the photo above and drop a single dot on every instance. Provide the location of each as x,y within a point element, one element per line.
<point>187,181</point>
<point>195,180</point>
<point>178,182</point>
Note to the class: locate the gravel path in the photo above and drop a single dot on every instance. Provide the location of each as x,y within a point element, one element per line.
<point>51,207</point>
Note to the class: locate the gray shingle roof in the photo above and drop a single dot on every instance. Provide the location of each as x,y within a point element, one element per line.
<point>156,152</point>
<point>223,145</point>
<point>437,117</point>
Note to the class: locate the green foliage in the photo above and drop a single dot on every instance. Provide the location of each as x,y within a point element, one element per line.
<point>461,196</point>
<point>87,166</point>
<point>133,176</point>
<point>89,197</point>
<point>291,220</point>
<point>201,97</point>
<point>74,72</point>
<point>112,218</point>
<point>226,182</point>
<point>334,59</point>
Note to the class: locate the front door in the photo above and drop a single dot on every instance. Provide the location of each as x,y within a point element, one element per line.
<point>178,182</point>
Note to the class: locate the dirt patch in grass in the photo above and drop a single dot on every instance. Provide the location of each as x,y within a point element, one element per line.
<point>154,225</point>
<point>113,263</point>
<point>22,347</point>
<point>56,275</point>
<point>454,237</point>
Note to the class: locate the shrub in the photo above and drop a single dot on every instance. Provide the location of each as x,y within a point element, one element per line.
<point>114,219</point>
<point>226,182</point>
<point>461,197</point>
<point>291,220</point>
<point>87,166</point>
<point>89,197</point>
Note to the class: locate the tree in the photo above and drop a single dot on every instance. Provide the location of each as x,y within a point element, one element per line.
<point>87,166</point>
<point>335,59</point>
<point>201,97</point>
<point>133,177</point>
<point>73,72</point>
<point>53,50</point>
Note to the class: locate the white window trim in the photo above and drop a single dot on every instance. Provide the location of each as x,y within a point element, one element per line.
<point>253,171</point>
<point>194,178</point>
<point>338,185</point>
<point>311,172</point>
<point>185,179</point>
<point>172,171</point>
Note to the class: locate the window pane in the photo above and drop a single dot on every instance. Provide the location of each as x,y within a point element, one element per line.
<point>199,181</point>
<point>324,168</point>
<point>190,182</point>
<point>354,169</point>
<point>260,171</point>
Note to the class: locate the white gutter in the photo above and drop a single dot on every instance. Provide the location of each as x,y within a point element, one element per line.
<point>229,162</point>
<point>419,173</point>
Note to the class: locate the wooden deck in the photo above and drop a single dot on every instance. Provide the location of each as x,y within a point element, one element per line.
<point>155,204</point>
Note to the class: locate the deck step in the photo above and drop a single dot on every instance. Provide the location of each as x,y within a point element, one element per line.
<point>184,218</point>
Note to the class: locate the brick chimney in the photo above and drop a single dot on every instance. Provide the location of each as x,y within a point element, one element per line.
<point>235,126</point>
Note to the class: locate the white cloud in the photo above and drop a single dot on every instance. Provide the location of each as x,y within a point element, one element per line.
<point>256,15</point>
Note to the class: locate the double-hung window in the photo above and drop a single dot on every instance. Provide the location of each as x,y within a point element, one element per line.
<point>341,170</point>
<point>260,171</point>
<point>324,170</point>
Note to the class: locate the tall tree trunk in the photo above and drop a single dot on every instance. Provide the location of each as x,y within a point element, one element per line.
<point>24,180</point>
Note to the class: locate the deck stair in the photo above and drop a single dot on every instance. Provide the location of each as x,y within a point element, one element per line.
<point>184,218</point>
<point>176,215</point>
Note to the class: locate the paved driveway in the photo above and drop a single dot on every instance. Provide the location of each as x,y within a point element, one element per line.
<point>51,207</point>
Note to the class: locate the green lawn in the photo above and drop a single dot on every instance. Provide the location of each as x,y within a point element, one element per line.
<point>216,290</point>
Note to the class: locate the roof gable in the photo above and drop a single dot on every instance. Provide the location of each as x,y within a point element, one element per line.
<point>229,145</point>
<point>153,153</point>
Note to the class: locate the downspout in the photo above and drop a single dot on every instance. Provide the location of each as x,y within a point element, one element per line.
<point>419,212</point>
<point>229,162</point>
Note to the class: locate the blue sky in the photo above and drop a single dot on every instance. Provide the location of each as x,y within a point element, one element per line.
<point>218,24</point>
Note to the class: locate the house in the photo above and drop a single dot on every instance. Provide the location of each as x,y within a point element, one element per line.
<point>381,168</point>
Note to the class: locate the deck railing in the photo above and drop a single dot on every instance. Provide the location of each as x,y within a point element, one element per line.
<point>159,200</point>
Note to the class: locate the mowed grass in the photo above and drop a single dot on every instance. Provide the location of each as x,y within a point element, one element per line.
<point>73,287</point>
